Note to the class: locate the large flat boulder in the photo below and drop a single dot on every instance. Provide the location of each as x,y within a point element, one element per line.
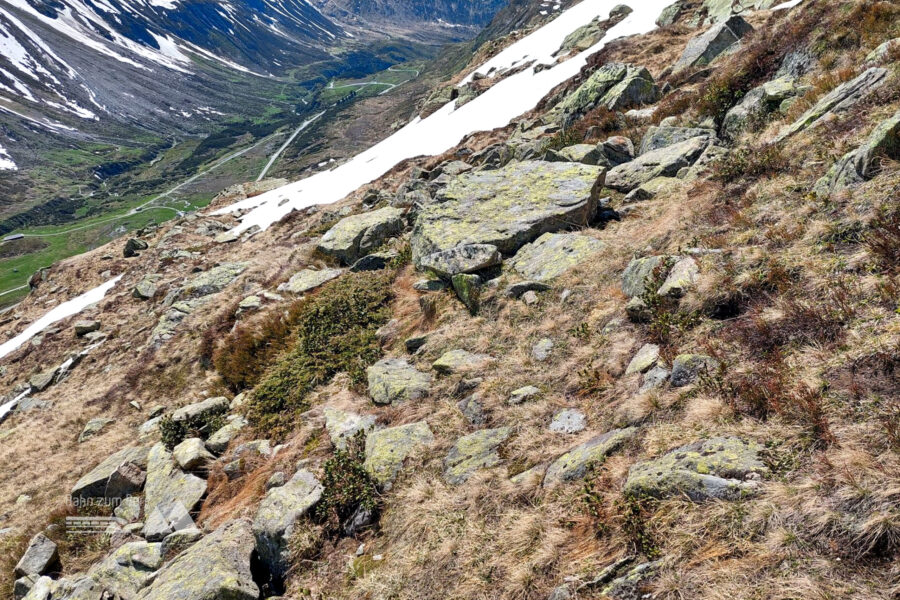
<point>862,164</point>
<point>662,137</point>
<point>662,162</point>
<point>387,449</point>
<point>215,568</point>
<point>119,476</point>
<point>553,254</point>
<point>472,452</point>
<point>575,463</point>
<point>724,468</point>
<point>212,281</point>
<point>508,207</point>
<point>837,100</point>
<point>308,280</point>
<point>468,258</point>
<point>128,569</point>
<point>40,556</point>
<point>355,236</point>
<point>277,515</point>
<point>395,381</point>
<point>168,494</point>
<point>714,42</point>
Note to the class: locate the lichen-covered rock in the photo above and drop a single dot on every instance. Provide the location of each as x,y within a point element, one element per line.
<point>129,509</point>
<point>277,515</point>
<point>586,154</point>
<point>508,207</point>
<point>681,278</point>
<point>387,449</point>
<point>517,290</point>
<point>218,441</point>
<point>376,261</point>
<point>724,468</point>
<point>468,289</point>
<point>654,379</point>
<point>662,137</point>
<point>553,254</point>
<point>883,51</point>
<point>128,568</point>
<point>617,86</point>
<point>394,381</point>
<point>459,361</point>
<point>86,326</point>
<point>467,258</point>
<point>118,476</point>
<point>669,14</point>
<point>133,246</point>
<point>663,162</point>
<point>342,425</point>
<point>687,368</point>
<point>757,103</point>
<point>542,349</point>
<point>838,100</point>
<point>355,236</point>
<point>569,420</point>
<point>40,556</point>
<point>636,274</point>
<point>308,280</point>
<point>41,381</point>
<point>92,428</point>
<point>645,359</point>
<point>717,40</point>
<point>472,409</point>
<point>203,409</point>
<point>215,568</point>
<point>192,455</point>
<point>168,492</point>
<point>529,392</point>
<point>862,164</point>
<point>575,463</point>
<point>147,287</point>
<point>473,452</point>
<point>627,586</point>
<point>213,281</point>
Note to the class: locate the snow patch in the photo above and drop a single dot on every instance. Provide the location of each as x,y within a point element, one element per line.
<point>6,161</point>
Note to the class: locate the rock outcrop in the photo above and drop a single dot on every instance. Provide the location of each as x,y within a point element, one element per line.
<point>355,236</point>
<point>575,463</point>
<point>716,41</point>
<point>387,449</point>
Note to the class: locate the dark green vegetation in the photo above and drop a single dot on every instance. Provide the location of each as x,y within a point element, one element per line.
<point>174,432</point>
<point>348,487</point>
<point>319,336</point>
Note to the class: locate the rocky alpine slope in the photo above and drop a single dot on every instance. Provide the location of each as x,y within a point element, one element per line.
<point>641,342</point>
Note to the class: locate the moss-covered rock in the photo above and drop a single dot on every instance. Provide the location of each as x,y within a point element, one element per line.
<point>724,468</point>
<point>355,236</point>
<point>553,254</point>
<point>277,516</point>
<point>508,207</point>
<point>473,452</point>
<point>468,289</point>
<point>575,463</point>
<point>308,280</point>
<point>387,449</point>
<point>215,568</point>
<point>395,381</point>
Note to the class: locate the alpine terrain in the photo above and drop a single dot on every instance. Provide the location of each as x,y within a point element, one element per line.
<point>427,300</point>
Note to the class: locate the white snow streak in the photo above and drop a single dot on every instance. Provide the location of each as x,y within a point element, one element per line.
<point>444,129</point>
<point>6,161</point>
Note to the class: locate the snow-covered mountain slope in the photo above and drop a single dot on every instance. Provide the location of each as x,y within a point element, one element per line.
<point>442,130</point>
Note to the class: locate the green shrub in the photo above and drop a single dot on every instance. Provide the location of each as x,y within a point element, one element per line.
<point>752,162</point>
<point>335,332</point>
<point>665,316</point>
<point>347,486</point>
<point>172,432</point>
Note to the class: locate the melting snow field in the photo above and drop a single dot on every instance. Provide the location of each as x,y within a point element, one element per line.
<point>6,161</point>
<point>447,127</point>
<point>63,311</point>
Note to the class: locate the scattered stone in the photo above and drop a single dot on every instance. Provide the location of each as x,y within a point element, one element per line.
<point>658,137</point>
<point>645,359</point>
<point>277,479</point>
<point>459,361</point>
<point>533,476</point>
<point>395,381</point>
<point>758,103</point>
<point>568,421</point>
<point>213,281</point>
<point>180,540</point>
<point>430,285</point>
<point>863,163</point>
<point>169,494</point>
<point>517,290</point>
<point>575,463</point>
<point>586,154</point>
<point>473,452</point>
<point>716,41</point>
<point>467,258</point>
<point>524,394</point>
<point>277,516</point>
<point>530,298</point>
<point>654,379</point>
<point>84,327</point>
<point>883,51</point>
<point>375,262</point>
<point>215,568</point>
<point>553,254</point>
<point>129,509</point>
<point>686,368</point>
<point>653,188</point>
<point>23,585</point>
<point>192,455</point>
<point>343,426</point>
<point>724,468</point>
<point>414,344</point>
<point>472,409</point>
<point>218,441</point>
<point>628,585</point>
<point>637,273</point>
<point>133,246</point>
<point>355,236</point>
<point>308,280</point>
<point>681,278</point>
<point>387,449</point>
<point>43,380</point>
<point>669,14</point>
<point>120,475</point>
<point>488,207</point>
<point>40,557</point>
<point>93,427</point>
<point>838,100</point>
<point>541,350</point>
<point>663,162</point>
<point>201,410</point>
